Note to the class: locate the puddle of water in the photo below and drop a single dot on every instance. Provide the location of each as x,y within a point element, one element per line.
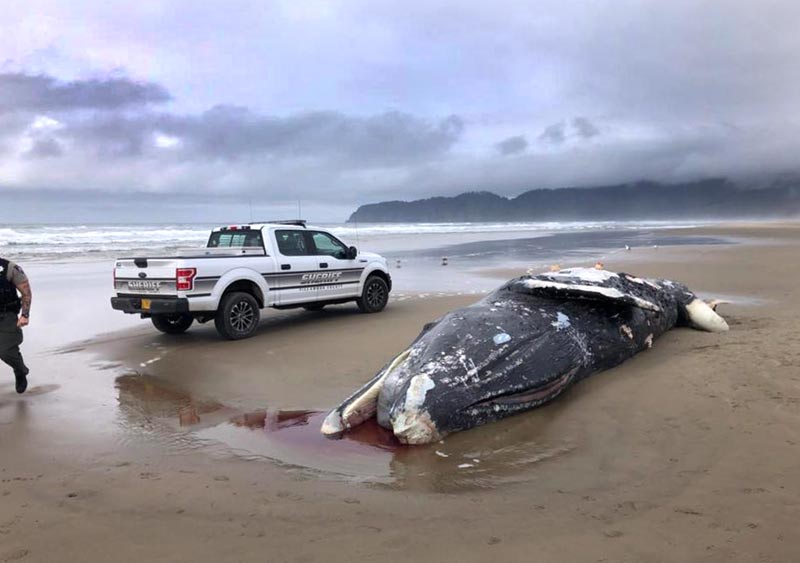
<point>293,438</point>
<point>371,453</point>
<point>485,457</point>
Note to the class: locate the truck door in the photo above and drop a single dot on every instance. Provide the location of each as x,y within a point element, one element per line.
<point>297,266</point>
<point>339,276</point>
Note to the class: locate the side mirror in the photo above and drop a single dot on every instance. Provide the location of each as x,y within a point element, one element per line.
<point>352,253</point>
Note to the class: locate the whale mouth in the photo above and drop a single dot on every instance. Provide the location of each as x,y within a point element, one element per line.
<point>537,396</point>
<point>414,426</point>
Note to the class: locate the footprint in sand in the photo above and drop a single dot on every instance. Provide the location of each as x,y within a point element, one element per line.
<point>15,555</point>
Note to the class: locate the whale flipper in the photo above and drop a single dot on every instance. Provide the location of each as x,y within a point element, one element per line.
<point>584,283</point>
<point>362,404</point>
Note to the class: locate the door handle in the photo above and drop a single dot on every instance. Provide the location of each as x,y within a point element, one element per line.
<point>286,266</point>
<point>323,264</point>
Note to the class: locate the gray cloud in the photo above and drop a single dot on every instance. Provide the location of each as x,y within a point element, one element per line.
<point>44,148</point>
<point>512,145</point>
<point>231,133</point>
<point>584,128</point>
<point>43,93</point>
<point>226,150</point>
<point>336,187</point>
<point>752,159</point>
<point>11,126</point>
<point>559,133</point>
<point>554,134</point>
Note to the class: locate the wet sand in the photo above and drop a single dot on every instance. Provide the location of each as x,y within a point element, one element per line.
<point>136,446</point>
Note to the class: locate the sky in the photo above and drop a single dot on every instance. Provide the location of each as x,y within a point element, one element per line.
<point>185,110</point>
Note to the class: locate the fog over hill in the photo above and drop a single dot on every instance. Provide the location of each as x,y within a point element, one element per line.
<point>712,198</point>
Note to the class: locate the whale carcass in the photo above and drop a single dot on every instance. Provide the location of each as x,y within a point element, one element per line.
<point>518,348</point>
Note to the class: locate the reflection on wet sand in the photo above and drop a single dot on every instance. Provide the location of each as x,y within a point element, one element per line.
<point>483,458</point>
<point>11,397</point>
<point>146,401</point>
<point>13,412</point>
<point>370,435</point>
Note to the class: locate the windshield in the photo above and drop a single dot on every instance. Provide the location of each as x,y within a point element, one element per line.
<point>236,239</point>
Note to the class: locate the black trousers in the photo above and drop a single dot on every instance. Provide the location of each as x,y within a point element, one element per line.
<point>10,339</point>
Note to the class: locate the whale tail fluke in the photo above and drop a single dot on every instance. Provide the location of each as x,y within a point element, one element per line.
<point>703,316</point>
<point>713,303</point>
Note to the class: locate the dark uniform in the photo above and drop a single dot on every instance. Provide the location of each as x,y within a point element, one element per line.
<point>11,276</point>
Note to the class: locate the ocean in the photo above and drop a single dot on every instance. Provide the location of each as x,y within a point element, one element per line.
<point>65,242</point>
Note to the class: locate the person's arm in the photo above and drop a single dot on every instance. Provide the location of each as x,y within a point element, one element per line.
<point>26,297</point>
<point>20,281</point>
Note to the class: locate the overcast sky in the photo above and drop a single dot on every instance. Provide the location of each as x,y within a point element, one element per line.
<point>338,103</point>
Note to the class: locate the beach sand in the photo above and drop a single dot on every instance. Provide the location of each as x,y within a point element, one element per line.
<point>140,447</point>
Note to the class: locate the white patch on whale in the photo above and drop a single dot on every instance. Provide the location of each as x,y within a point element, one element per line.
<point>643,281</point>
<point>412,424</point>
<point>607,292</point>
<point>417,390</point>
<point>561,322</point>
<point>501,338</point>
<point>591,275</point>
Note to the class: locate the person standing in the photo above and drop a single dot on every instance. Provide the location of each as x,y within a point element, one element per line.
<point>15,308</point>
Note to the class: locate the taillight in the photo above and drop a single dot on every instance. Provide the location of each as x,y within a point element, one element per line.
<point>184,278</point>
<point>115,278</point>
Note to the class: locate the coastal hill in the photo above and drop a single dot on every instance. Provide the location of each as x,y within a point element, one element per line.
<point>713,198</point>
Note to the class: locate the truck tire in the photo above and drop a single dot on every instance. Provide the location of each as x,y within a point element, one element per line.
<point>375,295</point>
<point>314,306</point>
<point>172,324</point>
<point>238,315</point>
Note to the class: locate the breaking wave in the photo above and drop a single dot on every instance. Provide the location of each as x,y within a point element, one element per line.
<point>68,242</point>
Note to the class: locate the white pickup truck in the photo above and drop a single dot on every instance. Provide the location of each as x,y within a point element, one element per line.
<point>245,268</point>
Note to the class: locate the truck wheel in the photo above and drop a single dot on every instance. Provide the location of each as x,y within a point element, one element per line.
<point>172,324</point>
<point>375,295</point>
<point>314,306</point>
<point>237,316</point>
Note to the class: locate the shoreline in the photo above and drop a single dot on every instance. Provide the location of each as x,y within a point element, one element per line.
<point>92,244</point>
<point>473,272</point>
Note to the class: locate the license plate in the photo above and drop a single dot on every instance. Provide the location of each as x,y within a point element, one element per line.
<point>146,304</point>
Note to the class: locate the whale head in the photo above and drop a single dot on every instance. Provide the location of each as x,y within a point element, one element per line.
<point>471,367</point>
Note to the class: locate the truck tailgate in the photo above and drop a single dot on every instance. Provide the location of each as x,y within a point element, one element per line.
<point>144,276</point>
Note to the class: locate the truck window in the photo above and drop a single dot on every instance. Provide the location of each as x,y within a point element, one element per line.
<point>329,246</point>
<point>235,239</point>
<point>292,243</point>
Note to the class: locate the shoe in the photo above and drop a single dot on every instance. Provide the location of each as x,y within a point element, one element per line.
<point>22,380</point>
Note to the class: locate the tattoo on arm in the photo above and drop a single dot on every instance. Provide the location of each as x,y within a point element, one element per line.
<point>25,290</point>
